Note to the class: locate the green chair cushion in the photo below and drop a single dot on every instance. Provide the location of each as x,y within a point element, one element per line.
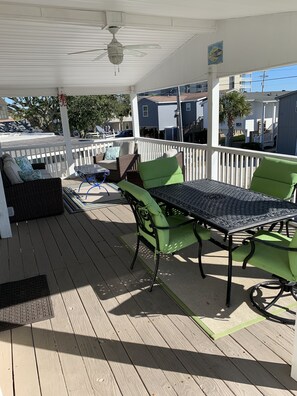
<point>170,240</point>
<point>160,172</point>
<point>157,214</point>
<point>183,236</point>
<point>293,255</point>
<point>270,259</point>
<point>275,177</point>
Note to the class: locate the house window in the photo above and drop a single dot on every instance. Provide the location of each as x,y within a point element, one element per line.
<point>188,106</point>
<point>145,111</point>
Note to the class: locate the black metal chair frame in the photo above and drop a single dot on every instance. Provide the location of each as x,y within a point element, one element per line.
<point>284,286</point>
<point>143,218</point>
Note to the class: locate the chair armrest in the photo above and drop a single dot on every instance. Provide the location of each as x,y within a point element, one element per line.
<point>98,157</point>
<point>270,244</point>
<point>40,165</point>
<point>127,162</point>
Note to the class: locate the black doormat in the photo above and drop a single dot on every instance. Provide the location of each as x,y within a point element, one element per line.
<point>25,301</point>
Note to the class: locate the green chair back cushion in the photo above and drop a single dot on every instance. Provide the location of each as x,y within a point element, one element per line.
<point>160,172</point>
<point>275,177</point>
<point>293,255</point>
<point>151,205</point>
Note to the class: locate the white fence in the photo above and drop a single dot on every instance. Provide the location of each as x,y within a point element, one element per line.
<point>234,166</point>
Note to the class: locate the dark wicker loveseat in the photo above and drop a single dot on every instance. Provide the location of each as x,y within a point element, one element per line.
<point>33,199</point>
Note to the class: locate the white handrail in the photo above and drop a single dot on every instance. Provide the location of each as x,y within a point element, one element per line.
<point>235,166</point>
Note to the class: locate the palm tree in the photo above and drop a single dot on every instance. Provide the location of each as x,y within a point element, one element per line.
<point>232,105</point>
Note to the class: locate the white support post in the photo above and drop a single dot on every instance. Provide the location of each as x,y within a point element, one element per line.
<point>135,115</point>
<point>66,130</point>
<point>5,229</point>
<point>213,123</point>
<point>262,124</point>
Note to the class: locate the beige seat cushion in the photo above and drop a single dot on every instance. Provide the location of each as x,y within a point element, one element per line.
<point>108,164</point>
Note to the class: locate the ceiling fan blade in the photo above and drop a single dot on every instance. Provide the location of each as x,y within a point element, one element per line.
<point>82,52</point>
<point>100,56</point>
<point>140,46</point>
<point>134,52</point>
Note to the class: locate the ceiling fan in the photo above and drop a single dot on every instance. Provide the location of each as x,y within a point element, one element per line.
<point>116,51</point>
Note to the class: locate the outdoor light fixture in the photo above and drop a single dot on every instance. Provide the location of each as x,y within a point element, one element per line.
<point>176,113</point>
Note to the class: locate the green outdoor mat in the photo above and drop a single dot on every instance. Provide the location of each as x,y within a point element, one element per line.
<point>204,299</point>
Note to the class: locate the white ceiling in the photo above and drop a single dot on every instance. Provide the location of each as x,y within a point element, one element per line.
<point>36,35</point>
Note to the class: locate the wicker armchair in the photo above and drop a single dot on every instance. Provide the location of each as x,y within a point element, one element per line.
<point>122,164</point>
<point>33,199</point>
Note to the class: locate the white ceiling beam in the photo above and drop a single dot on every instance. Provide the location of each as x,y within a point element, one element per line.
<point>102,19</point>
<point>70,91</point>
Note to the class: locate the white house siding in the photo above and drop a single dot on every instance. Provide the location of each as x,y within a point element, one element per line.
<point>166,116</point>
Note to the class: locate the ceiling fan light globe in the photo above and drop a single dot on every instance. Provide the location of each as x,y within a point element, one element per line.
<point>115,52</point>
<point>115,59</point>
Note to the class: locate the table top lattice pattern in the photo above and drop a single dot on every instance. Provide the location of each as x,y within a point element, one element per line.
<point>226,207</point>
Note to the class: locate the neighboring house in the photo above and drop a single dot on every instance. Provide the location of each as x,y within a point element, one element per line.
<point>264,110</point>
<point>287,124</point>
<point>159,112</point>
<point>115,124</point>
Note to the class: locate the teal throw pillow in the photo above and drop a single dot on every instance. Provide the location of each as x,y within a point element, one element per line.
<point>30,175</point>
<point>112,153</point>
<point>24,164</point>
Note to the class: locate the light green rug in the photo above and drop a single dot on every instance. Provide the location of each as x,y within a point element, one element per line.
<point>204,299</point>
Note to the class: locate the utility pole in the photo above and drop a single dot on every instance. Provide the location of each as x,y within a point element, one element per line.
<point>264,75</point>
<point>179,117</point>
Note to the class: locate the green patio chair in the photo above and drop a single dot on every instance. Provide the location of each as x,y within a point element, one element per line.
<point>161,233</point>
<point>277,178</point>
<point>277,254</point>
<point>160,172</point>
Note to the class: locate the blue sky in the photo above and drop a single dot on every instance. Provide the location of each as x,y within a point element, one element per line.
<point>276,79</point>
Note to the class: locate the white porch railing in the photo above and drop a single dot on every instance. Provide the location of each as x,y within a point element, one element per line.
<point>235,166</point>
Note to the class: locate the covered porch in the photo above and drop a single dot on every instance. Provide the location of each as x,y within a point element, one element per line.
<point>109,336</point>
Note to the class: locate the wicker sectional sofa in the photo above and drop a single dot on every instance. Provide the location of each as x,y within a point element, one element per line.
<point>33,199</point>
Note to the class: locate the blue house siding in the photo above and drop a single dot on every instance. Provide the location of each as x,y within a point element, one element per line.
<point>287,124</point>
<point>152,120</point>
<point>188,116</point>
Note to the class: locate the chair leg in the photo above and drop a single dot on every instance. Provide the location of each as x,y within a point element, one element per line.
<point>263,307</point>
<point>156,271</point>
<point>199,251</point>
<point>200,259</point>
<point>136,253</point>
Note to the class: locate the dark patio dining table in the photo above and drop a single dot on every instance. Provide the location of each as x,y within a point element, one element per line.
<point>226,208</point>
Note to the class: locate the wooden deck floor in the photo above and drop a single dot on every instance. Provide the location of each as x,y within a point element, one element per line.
<point>110,336</point>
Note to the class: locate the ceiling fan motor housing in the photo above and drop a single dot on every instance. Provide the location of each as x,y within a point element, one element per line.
<point>115,52</point>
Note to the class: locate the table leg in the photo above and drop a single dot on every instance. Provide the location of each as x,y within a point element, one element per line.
<point>229,281</point>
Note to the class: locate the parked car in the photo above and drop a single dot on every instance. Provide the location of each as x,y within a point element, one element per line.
<point>125,133</point>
